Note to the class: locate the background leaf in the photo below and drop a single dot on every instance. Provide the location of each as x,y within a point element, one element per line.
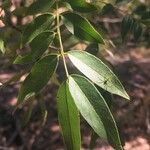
<point>108,8</point>
<point>145,18</point>
<point>38,77</point>
<point>37,26</point>
<point>81,28</point>
<point>126,26</point>
<point>97,71</point>
<point>81,6</point>
<point>137,30</point>
<point>94,109</point>
<point>140,9</point>
<point>92,48</point>
<point>131,25</point>
<point>38,46</point>
<point>40,6</point>
<point>146,15</point>
<point>68,118</point>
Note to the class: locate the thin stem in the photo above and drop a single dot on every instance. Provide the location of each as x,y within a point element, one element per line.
<point>53,47</point>
<point>60,41</point>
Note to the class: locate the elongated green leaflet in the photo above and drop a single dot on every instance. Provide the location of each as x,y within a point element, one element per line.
<point>97,71</point>
<point>38,77</point>
<point>38,46</point>
<point>40,6</point>
<point>81,27</point>
<point>68,118</point>
<point>37,26</point>
<point>81,6</point>
<point>94,109</point>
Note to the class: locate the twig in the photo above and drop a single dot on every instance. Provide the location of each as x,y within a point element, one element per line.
<point>53,47</point>
<point>60,40</point>
<point>13,79</point>
<point>116,20</point>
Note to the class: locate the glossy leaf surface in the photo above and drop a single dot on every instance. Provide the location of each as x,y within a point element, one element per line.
<point>97,71</point>
<point>81,28</point>
<point>94,109</point>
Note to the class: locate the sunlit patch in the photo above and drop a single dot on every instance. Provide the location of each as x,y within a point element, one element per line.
<point>138,143</point>
<point>13,101</point>
<point>55,128</point>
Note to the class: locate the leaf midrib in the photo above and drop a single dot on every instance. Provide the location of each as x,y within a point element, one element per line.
<point>90,105</point>
<point>84,19</point>
<point>98,73</point>
<point>66,93</point>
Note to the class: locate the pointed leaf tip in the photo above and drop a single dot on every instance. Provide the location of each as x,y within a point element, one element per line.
<point>94,109</point>
<point>82,28</point>
<point>97,72</point>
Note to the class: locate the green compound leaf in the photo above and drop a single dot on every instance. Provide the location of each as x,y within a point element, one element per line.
<point>94,109</point>
<point>81,27</point>
<point>68,118</point>
<point>37,26</point>
<point>38,46</point>
<point>40,74</point>
<point>40,6</point>
<point>81,6</point>
<point>97,71</point>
